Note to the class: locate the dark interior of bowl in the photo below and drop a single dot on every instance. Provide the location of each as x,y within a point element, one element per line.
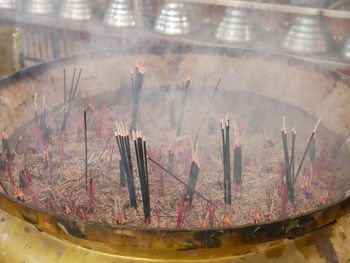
<point>182,128</point>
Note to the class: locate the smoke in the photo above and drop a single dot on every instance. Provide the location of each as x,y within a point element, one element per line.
<point>256,88</point>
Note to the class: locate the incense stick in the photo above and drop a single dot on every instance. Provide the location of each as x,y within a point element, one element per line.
<point>141,156</point>
<point>306,150</point>
<point>71,97</point>
<point>86,152</point>
<point>289,183</point>
<point>122,139</point>
<point>192,181</point>
<point>225,136</point>
<point>292,156</point>
<point>178,179</point>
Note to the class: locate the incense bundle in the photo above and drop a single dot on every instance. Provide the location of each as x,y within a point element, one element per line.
<point>141,156</point>
<point>185,86</point>
<point>192,181</point>
<point>122,137</point>
<point>225,136</point>
<point>289,182</point>
<point>136,94</point>
<point>122,174</point>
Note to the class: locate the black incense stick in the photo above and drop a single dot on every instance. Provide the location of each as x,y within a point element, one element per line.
<point>237,171</point>
<point>123,142</point>
<point>192,181</point>
<point>292,156</point>
<point>312,150</point>
<point>178,179</point>
<point>141,157</point>
<point>225,135</point>
<point>306,150</point>
<point>122,173</point>
<point>86,152</point>
<point>71,97</point>
<point>290,186</point>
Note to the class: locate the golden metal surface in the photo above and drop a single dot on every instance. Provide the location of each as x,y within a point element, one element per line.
<point>173,245</point>
<point>22,242</point>
<point>9,50</point>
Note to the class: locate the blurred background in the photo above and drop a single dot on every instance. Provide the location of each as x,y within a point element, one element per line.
<point>33,31</point>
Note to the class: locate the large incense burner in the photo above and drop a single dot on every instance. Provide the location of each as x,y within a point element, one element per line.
<point>192,153</point>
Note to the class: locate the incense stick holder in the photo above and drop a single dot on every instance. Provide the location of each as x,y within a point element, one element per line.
<point>76,10</point>
<point>309,35</point>
<point>174,19</point>
<point>120,14</point>
<point>235,27</point>
<point>40,7</point>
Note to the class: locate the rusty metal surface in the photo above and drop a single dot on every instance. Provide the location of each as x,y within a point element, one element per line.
<point>234,241</point>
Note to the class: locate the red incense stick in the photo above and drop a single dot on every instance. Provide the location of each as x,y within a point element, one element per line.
<point>181,212</point>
